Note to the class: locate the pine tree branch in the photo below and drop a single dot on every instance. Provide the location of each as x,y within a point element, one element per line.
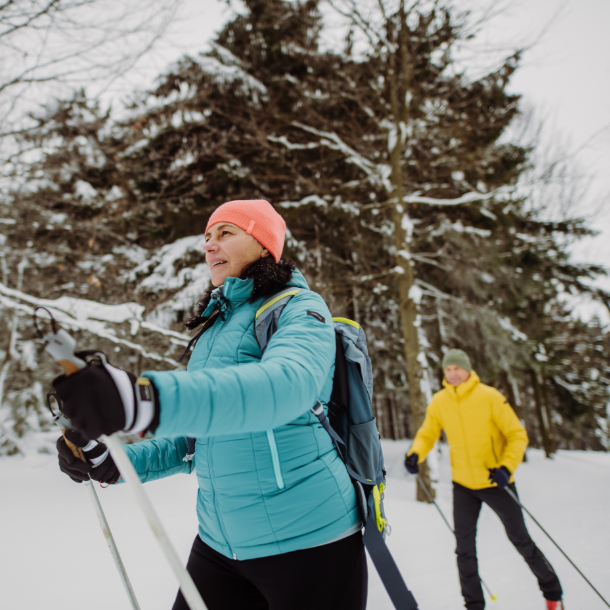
<point>10,299</point>
<point>467,198</point>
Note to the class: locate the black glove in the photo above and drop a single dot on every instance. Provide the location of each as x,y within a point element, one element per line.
<point>99,465</point>
<point>500,476</point>
<point>102,399</point>
<point>411,463</point>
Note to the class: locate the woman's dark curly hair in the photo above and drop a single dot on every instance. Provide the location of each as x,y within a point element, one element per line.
<point>269,277</point>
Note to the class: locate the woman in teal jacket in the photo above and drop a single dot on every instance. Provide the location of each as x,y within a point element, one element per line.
<point>278,520</point>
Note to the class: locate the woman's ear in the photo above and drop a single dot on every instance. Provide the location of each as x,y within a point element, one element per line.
<point>264,253</point>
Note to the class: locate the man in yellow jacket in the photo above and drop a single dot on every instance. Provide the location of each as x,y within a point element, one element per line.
<point>486,445</point>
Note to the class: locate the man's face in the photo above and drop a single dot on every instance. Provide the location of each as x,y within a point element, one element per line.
<point>455,374</point>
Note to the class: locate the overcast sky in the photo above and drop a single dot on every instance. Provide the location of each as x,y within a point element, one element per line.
<point>566,75</point>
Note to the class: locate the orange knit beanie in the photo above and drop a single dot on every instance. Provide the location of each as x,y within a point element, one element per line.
<point>257,218</point>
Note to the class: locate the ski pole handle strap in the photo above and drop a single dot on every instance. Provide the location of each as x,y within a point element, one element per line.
<point>386,567</point>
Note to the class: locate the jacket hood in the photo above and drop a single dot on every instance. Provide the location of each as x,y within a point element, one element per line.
<point>298,281</point>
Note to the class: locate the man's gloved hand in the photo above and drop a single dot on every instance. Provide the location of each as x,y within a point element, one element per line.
<point>99,465</point>
<point>500,476</point>
<point>411,463</point>
<point>102,399</point>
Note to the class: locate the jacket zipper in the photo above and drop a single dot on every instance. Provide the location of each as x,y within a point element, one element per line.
<point>464,435</point>
<point>222,525</point>
<point>275,458</point>
<point>226,315</point>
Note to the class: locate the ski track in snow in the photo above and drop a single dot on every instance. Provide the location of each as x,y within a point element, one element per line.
<point>53,554</point>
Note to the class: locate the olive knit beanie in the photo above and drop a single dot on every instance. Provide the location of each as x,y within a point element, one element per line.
<point>257,218</point>
<point>457,357</point>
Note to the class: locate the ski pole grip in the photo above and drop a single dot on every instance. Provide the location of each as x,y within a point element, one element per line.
<point>77,452</point>
<point>63,423</point>
<point>61,346</point>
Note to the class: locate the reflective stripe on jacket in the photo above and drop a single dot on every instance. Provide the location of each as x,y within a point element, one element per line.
<point>270,479</point>
<point>482,430</point>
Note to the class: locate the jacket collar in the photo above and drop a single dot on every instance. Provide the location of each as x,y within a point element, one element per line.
<point>464,389</point>
<point>237,291</point>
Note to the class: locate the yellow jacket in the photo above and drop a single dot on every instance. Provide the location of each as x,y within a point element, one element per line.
<point>482,430</point>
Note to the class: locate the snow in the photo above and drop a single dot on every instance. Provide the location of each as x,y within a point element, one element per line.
<point>185,160</point>
<point>467,198</point>
<point>133,253</point>
<point>73,313</point>
<point>310,199</point>
<point>516,334</point>
<point>585,307</point>
<point>229,74</point>
<point>164,276</point>
<point>80,309</point>
<point>234,168</point>
<point>334,142</point>
<point>408,226</point>
<point>163,315</point>
<point>458,227</point>
<point>290,145</point>
<point>54,554</point>
<point>415,293</point>
<point>85,191</point>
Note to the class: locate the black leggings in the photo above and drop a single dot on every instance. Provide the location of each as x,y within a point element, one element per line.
<point>329,577</point>
<point>466,508</point>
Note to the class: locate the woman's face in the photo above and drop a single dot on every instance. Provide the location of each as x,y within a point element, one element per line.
<point>228,249</point>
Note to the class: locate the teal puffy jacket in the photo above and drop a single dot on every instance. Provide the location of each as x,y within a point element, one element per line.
<point>270,479</point>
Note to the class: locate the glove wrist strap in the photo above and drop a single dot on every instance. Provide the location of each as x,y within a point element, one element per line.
<point>95,453</point>
<point>145,405</point>
<point>138,399</point>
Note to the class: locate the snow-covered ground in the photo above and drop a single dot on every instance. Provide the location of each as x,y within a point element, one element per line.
<point>53,555</point>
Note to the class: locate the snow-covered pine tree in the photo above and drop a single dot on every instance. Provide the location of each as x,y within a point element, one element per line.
<point>113,211</point>
<point>68,243</point>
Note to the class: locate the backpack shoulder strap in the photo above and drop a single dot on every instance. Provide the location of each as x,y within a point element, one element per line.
<point>268,315</point>
<point>356,350</point>
<point>386,567</point>
<point>205,326</point>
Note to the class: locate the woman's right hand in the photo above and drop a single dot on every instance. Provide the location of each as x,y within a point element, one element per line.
<point>98,466</point>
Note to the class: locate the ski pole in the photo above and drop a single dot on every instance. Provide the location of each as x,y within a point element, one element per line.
<point>62,347</point>
<point>101,517</point>
<point>62,423</point>
<point>513,495</point>
<point>440,512</point>
<point>128,472</point>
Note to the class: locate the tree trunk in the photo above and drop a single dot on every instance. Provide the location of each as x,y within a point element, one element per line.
<point>409,311</point>
<point>547,412</point>
<point>511,391</point>
<point>547,443</point>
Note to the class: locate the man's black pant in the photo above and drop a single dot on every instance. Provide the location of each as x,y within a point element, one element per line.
<point>329,577</point>
<point>466,508</point>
